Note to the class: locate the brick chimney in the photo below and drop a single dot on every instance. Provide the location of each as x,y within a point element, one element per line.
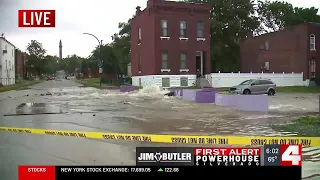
<point>153,2</point>
<point>138,10</point>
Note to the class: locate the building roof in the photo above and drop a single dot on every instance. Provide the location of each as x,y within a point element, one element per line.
<point>8,41</point>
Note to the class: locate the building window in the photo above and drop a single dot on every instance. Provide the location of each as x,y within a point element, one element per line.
<point>313,68</point>
<point>139,36</point>
<point>200,29</point>
<point>312,42</point>
<point>9,65</point>
<point>139,64</point>
<point>6,64</point>
<point>164,28</point>
<point>164,61</point>
<point>166,82</point>
<point>183,29</point>
<point>266,44</point>
<point>183,61</point>
<point>184,81</point>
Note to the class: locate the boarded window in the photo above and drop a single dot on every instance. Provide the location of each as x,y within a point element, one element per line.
<point>184,81</point>
<point>165,82</point>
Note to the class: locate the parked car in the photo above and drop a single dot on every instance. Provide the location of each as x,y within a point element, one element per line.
<point>255,86</point>
<point>49,78</point>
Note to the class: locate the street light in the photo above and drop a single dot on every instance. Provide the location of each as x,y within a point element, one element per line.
<point>100,54</point>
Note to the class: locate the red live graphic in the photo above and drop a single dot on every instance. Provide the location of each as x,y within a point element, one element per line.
<point>227,151</point>
<point>36,18</point>
<point>36,173</point>
<point>291,155</point>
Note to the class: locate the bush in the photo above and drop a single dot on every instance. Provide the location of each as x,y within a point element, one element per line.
<point>317,81</point>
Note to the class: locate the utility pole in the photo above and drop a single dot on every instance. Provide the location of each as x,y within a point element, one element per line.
<point>100,62</point>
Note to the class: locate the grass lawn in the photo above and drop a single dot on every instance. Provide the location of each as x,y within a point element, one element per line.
<point>95,82</point>
<point>300,89</point>
<point>19,84</point>
<point>304,126</point>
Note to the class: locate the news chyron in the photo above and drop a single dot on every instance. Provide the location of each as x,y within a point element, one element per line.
<point>269,155</point>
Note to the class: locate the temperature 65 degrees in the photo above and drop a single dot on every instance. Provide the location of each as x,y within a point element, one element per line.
<point>272,159</point>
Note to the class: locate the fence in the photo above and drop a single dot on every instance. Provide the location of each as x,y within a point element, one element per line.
<point>232,79</point>
<point>7,81</point>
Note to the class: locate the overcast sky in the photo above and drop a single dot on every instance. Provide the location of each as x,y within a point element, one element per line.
<point>74,17</point>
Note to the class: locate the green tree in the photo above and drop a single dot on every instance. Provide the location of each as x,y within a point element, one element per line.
<point>230,22</point>
<point>276,15</point>
<point>121,46</point>
<point>50,65</point>
<point>72,63</point>
<point>36,54</point>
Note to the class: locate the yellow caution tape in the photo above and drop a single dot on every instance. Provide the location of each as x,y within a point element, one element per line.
<point>176,139</point>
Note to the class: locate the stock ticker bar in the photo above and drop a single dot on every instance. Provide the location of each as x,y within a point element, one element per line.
<point>98,172</point>
<point>271,161</point>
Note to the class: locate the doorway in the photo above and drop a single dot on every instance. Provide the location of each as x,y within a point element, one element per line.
<point>200,62</point>
<point>312,70</point>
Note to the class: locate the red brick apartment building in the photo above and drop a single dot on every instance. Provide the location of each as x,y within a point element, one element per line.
<point>20,64</point>
<point>291,50</point>
<point>170,38</point>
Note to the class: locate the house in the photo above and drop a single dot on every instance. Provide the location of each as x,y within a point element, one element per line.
<point>170,41</point>
<point>20,64</point>
<point>7,62</point>
<point>292,49</point>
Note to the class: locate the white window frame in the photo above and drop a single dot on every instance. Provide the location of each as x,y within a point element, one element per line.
<point>165,59</point>
<point>200,29</point>
<point>185,61</point>
<point>139,36</point>
<point>312,42</point>
<point>183,30</point>
<point>164,28</point>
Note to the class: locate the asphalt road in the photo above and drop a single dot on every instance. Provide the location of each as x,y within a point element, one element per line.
<point>89,109</point>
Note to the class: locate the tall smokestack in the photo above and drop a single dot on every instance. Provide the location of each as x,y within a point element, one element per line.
<point>60,50</point>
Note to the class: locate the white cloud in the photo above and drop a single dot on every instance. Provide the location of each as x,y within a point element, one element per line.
<point>99,17</point>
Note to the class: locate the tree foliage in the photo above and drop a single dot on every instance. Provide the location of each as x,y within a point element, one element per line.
<point>36,54</point>
<point>230,22</point>
<point>276,15</point>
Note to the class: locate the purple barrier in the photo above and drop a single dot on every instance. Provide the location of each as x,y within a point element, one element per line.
<point>252,103</point>
<point>229,100</point>
<point>126,88</point>
<point>177,92</point>
<point>189,94</point>
<point>205,96</point>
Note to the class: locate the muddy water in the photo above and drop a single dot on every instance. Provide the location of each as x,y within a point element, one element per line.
<point>148,111</point>
<point>152,112</point>
<point>155,113</point>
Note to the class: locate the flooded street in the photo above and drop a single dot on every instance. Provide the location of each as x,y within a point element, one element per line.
<point>67,106</point>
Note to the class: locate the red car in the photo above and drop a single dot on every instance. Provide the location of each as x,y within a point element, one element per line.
<point>49,78</point>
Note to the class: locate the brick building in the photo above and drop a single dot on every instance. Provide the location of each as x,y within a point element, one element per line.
<point>292,49</point>
<point>20,64</point>
<point>170,39</point>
